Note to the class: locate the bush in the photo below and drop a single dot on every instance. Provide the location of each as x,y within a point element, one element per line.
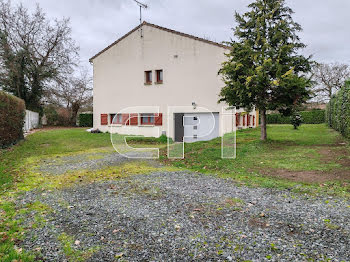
<point>12,113</point>
<point>63,117</point>
<point>315,116</point>
<point>338,111</point>
<point>57,116</point>
<point>163,139</point>
<point>86,120</point>
<point>51,115</point>
<point>296,120</point>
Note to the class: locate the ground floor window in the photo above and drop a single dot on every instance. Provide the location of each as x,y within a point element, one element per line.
<point>147,119</point>
<point>116,118</point>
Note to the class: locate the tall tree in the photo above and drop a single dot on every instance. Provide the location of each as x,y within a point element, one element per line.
<point>264,69</point>
<point>329,78</point>
<point>34,50</point>
<point>74,94</point>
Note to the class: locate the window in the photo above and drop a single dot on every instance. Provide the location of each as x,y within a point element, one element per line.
<point>116,119</point>
<point>147,119</point>
<point>159,74</point>
<point>148,77</point>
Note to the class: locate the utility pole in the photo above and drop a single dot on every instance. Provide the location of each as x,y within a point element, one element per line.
<point>142,6</point>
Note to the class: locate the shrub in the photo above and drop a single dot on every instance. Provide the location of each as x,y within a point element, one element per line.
<point>315,116</point>
<point>51,115</point>
<point>63,117</point>
<point>12,113</point>
<point>57,116</point>
<point>296,120</point>
<point>338,111</point>
<point>86,120</point>
<point>163,139</point>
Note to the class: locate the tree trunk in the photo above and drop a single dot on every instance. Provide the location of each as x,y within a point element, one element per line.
<point>263,125</point>
<point>75,109</point>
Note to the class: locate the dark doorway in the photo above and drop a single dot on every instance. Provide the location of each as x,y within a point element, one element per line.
<point>179,127</point>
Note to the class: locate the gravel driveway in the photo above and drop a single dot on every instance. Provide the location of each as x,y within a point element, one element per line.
<point>182,216</point>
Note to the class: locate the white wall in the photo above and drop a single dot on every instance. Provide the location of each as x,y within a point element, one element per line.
<point>31,121</point>
<point>190,72</point>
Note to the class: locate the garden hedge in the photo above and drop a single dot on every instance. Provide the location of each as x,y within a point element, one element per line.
<point>12,113</point>
<point>309,117</point>
<point>86,120</point>
<point>338,111</point>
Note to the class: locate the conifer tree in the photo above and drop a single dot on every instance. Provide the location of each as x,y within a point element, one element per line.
<point>264,68</point>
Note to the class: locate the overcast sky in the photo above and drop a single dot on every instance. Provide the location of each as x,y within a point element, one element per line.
<point>97,23</point>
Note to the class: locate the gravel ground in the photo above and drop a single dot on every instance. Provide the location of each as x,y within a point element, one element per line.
<point>179,216</point>
<point>86,161</point>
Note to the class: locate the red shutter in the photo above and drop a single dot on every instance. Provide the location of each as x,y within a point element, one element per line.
<point>104,119</point>
<point>125,119</point>
<point>248,120</point>
<point>134,119</point>
<point>253,120</point>
<point>244,120</point>
<point>159,120</point>
<point>237,119</point>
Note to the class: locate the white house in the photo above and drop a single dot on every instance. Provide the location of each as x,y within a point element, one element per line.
<point>155,81</point>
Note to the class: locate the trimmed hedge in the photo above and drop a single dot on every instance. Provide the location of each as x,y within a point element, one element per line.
<point>338,111</point>
<point>12,113</point>
<point>309,117</point>
<point>86,120</point>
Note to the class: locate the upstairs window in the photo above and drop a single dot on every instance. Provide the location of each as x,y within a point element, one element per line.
<point>159,74</point>
<point>148,77</point>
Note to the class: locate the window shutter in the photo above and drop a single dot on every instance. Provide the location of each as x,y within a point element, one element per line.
<point>248,120</point>
<point>159,120</point>
<point>253,120</point>
<point>134,119</point>
<point>104,119</point>
<point>244,120</point>
<point>237,119</point>
<point>125,119</point>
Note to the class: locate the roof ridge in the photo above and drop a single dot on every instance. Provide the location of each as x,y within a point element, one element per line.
<point>161,28</point>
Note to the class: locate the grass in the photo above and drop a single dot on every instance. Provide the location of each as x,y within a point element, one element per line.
<point>286,149</point>
<point>70,249</point>
<point>46,144</point>
<point>17,175</point>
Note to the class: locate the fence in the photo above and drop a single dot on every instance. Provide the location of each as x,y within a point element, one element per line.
<point>31,121</point>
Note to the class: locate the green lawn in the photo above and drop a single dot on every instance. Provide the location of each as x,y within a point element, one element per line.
<point>311,150</point>
<point>16,177</point>
<point>45,144</point>
<point>286,151</point>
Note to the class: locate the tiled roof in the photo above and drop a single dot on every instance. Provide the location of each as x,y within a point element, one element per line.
<point>161,28</point>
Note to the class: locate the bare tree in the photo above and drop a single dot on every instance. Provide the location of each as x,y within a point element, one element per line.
<point>73,93</point>
<point>44,46</point>
<point>329,78</point>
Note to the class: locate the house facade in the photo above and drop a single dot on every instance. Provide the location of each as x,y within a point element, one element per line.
<point>156,81</point>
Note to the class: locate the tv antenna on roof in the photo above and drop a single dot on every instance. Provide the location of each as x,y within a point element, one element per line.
<point>144,6</point>
<point>141,5</point>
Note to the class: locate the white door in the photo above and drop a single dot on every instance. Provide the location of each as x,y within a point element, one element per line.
<point>200,126</point>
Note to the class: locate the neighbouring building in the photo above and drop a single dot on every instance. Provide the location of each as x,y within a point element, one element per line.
<point>155,81</point>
